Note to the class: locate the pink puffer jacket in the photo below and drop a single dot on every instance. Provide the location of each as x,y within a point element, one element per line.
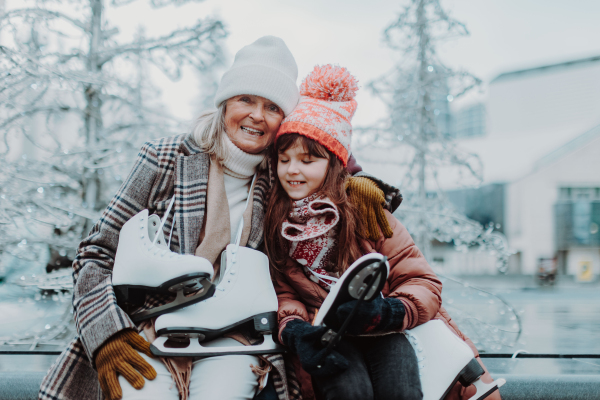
<point>411,280</point>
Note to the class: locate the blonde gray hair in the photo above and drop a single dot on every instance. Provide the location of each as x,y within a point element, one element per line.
<point>208,131</point>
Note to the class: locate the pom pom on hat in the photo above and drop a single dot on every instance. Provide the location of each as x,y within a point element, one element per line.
<point>329,83</point>
<point>325,110</point>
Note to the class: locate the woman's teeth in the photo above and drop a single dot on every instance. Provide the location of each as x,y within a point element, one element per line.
<point>252,131</point>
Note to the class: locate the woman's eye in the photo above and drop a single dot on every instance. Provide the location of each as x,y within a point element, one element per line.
<point>245,99</point>
<point>273,108</point>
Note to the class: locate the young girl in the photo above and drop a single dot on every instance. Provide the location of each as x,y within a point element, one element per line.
<point>313,233</point>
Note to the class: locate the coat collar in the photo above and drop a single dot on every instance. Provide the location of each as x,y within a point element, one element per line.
<point>191,184</point>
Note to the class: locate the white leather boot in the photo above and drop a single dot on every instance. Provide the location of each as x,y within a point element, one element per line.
<point>444,359</point>
<point>245,298</point>
<point>144,264</point>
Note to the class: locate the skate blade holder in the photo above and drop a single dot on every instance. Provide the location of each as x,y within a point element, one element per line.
<point>189,286</point>
<point>195,349</point>
<point>183,297</point>
<point>367,279</point>
<point>471,375</point>
<point>485,389</point>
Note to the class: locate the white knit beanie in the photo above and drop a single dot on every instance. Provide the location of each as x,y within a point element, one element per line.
<point>264,68</point>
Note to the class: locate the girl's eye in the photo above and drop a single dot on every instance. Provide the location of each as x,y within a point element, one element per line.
<point>307,161</point>
<point>283,161</point>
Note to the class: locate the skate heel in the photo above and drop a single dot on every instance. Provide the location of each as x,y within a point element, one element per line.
<point>265,322</point>
<point>470,373</point>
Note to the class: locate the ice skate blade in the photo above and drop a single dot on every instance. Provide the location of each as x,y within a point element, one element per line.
<point>195,349</point>
<point>180,301</point>
<point>485,389</point>
<point>260,323</point>
<point>135,295</point>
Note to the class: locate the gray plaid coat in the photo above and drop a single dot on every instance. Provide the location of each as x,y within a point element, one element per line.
<point>166,167</point>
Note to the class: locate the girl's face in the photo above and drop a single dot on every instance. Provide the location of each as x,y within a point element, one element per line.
<point>251,122</point>
<point>300,173</point>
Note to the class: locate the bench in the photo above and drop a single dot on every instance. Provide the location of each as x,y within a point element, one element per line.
<point>25,385</point>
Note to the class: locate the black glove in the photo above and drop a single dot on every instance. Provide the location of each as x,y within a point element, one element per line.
<point>378,314</point>
<point>305,340</point>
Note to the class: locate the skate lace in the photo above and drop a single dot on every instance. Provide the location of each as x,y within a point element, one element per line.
<point>157,250</point>
<point>418,350</point>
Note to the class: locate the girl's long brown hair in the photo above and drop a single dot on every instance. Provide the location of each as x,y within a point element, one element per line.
<point>334,187</point>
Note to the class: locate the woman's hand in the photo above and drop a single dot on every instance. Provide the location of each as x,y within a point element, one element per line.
<point>305,340</point>
<point>369,199</point>
<point>379,314</point>
<point>119,355</point>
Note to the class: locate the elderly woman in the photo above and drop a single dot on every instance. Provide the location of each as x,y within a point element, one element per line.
<point>208,172</point>
<point>228,145</point>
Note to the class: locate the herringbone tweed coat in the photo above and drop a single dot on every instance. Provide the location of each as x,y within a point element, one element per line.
<point>166,167</point>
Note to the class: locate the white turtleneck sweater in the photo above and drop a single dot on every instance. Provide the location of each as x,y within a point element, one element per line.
<point>239,168</point>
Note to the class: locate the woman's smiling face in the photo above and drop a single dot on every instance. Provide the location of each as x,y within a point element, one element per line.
<point>251,122</point>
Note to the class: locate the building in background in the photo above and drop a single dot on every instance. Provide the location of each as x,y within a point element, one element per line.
<point>540,147</point>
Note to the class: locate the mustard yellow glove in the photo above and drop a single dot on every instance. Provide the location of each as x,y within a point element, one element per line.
<point>119,355</point>
<point>369,199</point>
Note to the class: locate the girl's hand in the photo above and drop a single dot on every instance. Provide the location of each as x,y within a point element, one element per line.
<point>377,315</point>
<point>305,340</point>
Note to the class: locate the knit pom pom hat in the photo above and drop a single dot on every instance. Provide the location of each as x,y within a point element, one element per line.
<point>264,68</point>
<point>325,110</point>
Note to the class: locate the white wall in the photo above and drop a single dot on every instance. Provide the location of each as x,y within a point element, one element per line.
<point>530,201</point>
<point>563,98</point>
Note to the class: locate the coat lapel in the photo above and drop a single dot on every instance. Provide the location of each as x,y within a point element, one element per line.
<point>264,183</point>
<point>191,182</point>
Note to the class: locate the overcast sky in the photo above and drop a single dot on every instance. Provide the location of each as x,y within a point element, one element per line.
<point>505,35</point>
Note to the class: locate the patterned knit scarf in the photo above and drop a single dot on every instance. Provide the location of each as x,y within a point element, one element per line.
<point>311,229</point>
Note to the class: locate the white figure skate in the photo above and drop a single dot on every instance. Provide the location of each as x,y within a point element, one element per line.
<point>245,298</point>
<point>444,359</point>
<point>362,281</point>
<point>144,264</point>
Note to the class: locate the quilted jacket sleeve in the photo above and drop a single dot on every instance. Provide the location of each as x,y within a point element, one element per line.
<point>97,315</point>
<point>411,278</point>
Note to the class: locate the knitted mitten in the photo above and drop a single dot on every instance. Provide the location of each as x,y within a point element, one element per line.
<point>305,340</point>
<point>370,201</point>
<point>377,315</point>
<point>119,355</point>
